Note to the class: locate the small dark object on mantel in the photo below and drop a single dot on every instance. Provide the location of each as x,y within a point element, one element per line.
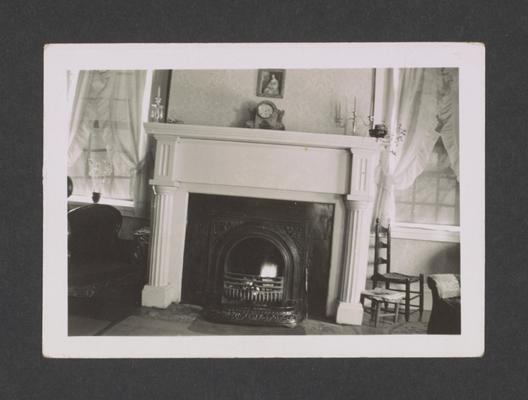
<point>379,131</point>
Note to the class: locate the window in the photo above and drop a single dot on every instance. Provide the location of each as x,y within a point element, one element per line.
<point>434,197</point>
<point>107,150</point>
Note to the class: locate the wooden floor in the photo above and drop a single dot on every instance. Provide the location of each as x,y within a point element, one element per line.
<point>89,318</point>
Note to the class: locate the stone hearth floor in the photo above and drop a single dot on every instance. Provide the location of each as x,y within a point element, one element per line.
<point>186,320</point>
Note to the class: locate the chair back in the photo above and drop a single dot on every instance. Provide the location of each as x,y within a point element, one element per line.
<point>382,239</point>
<point>93,232</point>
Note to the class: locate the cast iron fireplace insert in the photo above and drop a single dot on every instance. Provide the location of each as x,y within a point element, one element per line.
<point>257,261</point>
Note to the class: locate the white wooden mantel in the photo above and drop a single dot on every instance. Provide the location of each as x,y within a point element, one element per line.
<point>297,166</point>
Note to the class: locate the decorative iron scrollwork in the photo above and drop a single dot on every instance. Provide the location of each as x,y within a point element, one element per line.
<point>251,315</point>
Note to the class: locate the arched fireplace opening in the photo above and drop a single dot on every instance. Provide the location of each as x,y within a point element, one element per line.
<point>258,277</point>
<point>254,272</point>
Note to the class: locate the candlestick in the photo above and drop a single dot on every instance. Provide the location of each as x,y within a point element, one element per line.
<point>157,109</point>
<point>372,98</point>
<point>349,118</point>
<point>354,117</point>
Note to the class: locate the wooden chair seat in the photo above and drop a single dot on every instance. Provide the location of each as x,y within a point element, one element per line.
<point>396,277</point>
<point>383,295</point>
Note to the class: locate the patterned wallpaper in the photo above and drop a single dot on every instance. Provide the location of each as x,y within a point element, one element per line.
<point>223,97</point>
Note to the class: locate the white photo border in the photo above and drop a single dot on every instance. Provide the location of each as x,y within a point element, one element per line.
<point>468,57</point>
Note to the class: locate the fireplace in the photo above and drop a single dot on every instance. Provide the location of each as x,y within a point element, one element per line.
<point>257,261</point>
<point>264,165</point>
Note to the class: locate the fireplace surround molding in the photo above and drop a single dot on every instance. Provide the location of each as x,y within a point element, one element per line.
<point>284,165</point>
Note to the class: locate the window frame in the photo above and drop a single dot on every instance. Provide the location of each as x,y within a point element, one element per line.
<point>126,207</point>
<point>426,232</point>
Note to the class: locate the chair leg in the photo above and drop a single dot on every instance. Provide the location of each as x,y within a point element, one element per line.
<point>375,308</point>
<point>388,287</point>
<point>362,301</point>
<point>421,296</point>
<point>396,311</point>
<point>407,300</point>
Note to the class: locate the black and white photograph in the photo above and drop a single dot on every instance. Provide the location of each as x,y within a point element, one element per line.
<point>337,219</point>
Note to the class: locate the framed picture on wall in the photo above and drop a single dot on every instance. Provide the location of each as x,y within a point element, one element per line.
<point>270,83</point>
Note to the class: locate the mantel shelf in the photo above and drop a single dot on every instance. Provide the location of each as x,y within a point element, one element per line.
<point>248,135</point>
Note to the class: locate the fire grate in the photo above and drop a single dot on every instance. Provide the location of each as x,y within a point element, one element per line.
<point>253,288</point>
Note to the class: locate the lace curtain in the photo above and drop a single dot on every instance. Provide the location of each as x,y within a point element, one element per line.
<point>107,146</point>
<point>420,105</point>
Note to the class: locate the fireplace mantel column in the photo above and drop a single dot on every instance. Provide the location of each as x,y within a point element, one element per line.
<point>169,219</point>
<point>359,204</point>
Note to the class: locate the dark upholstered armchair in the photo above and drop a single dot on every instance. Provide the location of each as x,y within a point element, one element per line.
<point>97,261</point>
<point>445,315</point>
